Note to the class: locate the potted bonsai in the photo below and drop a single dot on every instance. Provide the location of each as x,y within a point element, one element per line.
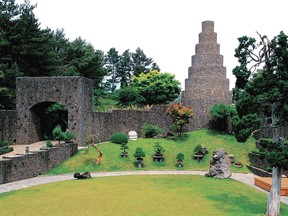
<point>198,152</point>
<point>180,158</point>
<point>124,147</point>
<point>159,150</point>
<point>139,156</point>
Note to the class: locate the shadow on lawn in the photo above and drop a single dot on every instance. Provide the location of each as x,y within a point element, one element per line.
<point>238,204</point>
<point>181,138</point>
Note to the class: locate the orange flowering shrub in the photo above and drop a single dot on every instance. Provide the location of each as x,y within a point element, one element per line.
<point>180,115</point>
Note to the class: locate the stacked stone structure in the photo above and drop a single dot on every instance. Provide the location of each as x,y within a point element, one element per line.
<point>206,84</point>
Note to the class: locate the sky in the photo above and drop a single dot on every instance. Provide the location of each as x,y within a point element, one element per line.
<point>166,30</point>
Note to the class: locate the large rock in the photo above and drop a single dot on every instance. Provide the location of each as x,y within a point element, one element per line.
<point>85,175</point>
<point>220,165</point>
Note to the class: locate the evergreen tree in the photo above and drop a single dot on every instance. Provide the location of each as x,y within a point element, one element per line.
<point>82,59</point>
<point>112,64</point>
<point>24,48</point>
<point>141,63</point>
<point>264,92</point>
<point>125,69</point>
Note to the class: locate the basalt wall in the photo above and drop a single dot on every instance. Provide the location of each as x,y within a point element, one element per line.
<point>23,166</point>
<point>8,126</point>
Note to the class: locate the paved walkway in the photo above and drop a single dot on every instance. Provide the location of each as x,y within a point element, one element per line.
<point>246,178</point>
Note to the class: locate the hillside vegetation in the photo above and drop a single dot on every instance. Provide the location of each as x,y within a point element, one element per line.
<point>112,161</point>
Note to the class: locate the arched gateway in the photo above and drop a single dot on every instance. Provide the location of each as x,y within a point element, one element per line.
<point>35,93</point>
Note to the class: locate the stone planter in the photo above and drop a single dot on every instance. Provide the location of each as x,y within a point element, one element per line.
<point>198,157</point>
<point>179,163</point>
<point>139,162</point>
<point>158,157</point>
<point>124,154</point>
<point>238,165</point>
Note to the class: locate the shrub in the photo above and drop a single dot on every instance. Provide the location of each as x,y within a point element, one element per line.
<point>67,136</point>
<point>59,135</point>
<point>49,144</point>
<point>150,130</point>
<point>119,138</point>
<point>5,150</point>
<point>4,143</point>
<point>180,115</point>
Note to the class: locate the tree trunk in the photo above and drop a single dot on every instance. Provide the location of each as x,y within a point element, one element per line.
<point>273,205</point>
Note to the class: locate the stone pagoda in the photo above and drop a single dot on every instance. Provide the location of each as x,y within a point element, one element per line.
<point>206,84</point>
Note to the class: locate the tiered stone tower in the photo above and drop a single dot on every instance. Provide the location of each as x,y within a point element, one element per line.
<point>207,83</point>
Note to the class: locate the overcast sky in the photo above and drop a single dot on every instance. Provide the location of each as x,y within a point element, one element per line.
<point>166,30</point>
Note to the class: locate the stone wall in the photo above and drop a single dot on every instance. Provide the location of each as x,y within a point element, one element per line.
<point>23,166</point>
<point>8,125</point>
<point>33,93</point>
<point>124,121</point>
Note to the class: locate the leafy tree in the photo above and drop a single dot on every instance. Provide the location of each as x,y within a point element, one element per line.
<point>180,115</point>
<point>221,113</point>
<point>141,63</point>
<point>261,93</point>
<point>129,97</point>
<point>156,87</point>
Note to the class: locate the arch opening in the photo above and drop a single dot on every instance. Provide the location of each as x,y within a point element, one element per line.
<point>46,116</point>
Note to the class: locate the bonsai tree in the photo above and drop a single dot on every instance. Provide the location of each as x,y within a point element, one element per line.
<point>49,144</point>
<point>68,136</point>
<point>180,157</point>
<point>139,154</point>
<point>59,135</point>
<point>198,150</point>
<point>158,149</point>
<point>124,147</point>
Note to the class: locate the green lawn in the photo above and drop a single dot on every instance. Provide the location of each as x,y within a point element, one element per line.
<point>138,195</point>
<point>111,160</point>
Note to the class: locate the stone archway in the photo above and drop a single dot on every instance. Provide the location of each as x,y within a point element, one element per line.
<point>76,93</point>
<point>45,121</point>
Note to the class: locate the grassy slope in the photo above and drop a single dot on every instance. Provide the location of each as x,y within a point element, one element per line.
<point>138,195</point>
<point>111,160</point>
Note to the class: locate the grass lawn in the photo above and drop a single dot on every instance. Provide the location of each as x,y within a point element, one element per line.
<point>112,161</point>
<point>138,195</point>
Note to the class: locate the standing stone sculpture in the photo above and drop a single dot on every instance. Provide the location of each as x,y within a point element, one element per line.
<point>220,165</point>
<point>206,84</point>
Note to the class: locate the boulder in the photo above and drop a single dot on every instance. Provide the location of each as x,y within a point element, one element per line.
<point>219,165</point>
<point>85,175</point>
